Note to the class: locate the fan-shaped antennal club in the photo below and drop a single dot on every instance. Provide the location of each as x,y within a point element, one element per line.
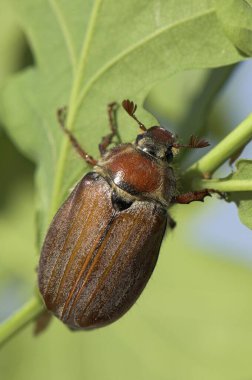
<point>130,107</point>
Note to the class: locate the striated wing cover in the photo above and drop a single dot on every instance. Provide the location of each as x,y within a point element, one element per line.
<point>96,261</point>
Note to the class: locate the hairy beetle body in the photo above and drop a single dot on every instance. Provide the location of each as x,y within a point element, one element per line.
<point>103,243</point>
<point>98,262</point>
<point>138,174</point>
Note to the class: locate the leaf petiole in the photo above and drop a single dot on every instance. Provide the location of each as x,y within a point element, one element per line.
<point>223,185</point>
<point>208,164</point>
<point>20,319</point>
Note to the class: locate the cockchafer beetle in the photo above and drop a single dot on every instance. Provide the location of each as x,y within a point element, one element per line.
<point>103,243</point>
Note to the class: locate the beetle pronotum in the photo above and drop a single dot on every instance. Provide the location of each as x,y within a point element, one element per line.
<point>103,244</point>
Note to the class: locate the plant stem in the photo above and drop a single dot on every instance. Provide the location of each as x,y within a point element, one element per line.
<point>223,185</point>
<point>239,137</point>
<point>20,319</point>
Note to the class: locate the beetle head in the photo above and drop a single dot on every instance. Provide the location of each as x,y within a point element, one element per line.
<point>157,141</point>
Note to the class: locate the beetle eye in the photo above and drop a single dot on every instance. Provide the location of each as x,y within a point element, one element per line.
<point>169,155</point>
<point>139,137</point>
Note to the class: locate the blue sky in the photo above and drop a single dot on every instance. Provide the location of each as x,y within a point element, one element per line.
<point>235,240</point>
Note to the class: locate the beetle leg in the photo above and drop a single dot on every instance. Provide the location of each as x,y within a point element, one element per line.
<point>171,222</point>
<point>191,197</point>
<point>106,140</point>
<point>42,322</point>
<point>61,113</point>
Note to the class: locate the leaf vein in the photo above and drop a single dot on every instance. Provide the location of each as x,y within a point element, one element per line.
<point>133,48</point>
<point>73,100</point>
<point>65,31</point>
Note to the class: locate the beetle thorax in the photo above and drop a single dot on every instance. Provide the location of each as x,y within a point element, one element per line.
<point>134,171</point>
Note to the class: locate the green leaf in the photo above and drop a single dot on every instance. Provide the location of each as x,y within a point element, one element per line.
<point>89,53</point>
<point>188,107</point>
<point>12,42</point>
<point>243,199</point>
<point>16,215</point>
<point>238,185</point>
<point>236,18</point>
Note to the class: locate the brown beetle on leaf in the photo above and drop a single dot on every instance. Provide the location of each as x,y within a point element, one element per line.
<point>103,244</point>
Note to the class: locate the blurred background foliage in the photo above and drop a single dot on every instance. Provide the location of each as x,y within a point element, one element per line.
<point>194,320</point>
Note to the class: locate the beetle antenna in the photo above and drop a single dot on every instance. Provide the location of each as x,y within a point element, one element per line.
<point>130,107</point>
<point>194,142</point>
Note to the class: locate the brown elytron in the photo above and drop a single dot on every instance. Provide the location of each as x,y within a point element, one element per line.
<point>103,243</point>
